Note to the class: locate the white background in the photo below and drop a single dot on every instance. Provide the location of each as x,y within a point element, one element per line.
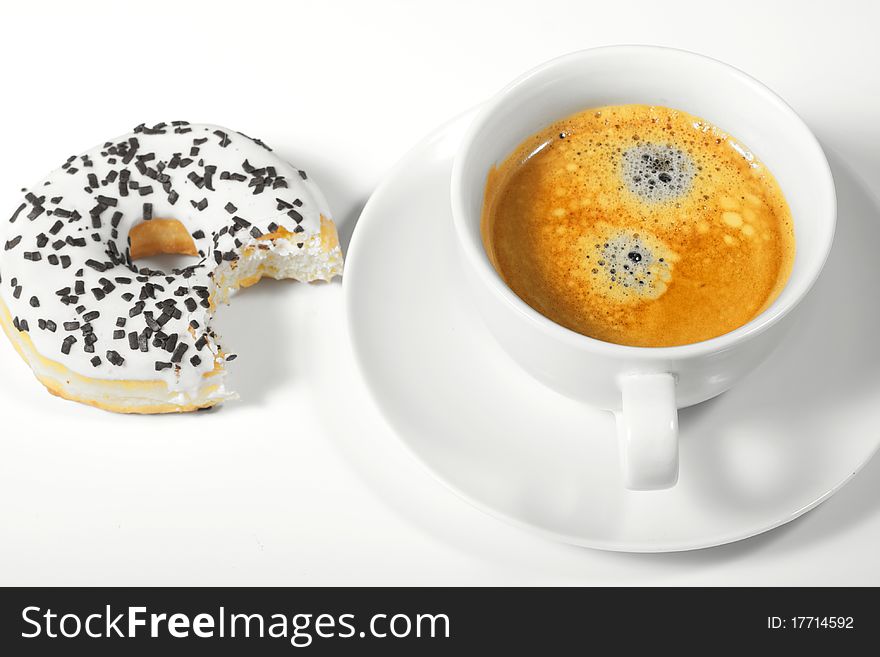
<point>301,482</point>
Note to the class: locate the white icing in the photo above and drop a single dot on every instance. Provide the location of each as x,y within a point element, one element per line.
<point>67,191</point>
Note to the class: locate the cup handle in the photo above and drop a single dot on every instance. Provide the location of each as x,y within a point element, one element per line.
<point>647,427</point>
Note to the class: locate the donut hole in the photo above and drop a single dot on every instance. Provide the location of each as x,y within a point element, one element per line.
<point>162,244</point>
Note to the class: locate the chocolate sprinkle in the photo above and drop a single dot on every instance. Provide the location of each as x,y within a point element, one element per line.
<point>17,212</point>
<point>179,352</point>
<point>115,358</point>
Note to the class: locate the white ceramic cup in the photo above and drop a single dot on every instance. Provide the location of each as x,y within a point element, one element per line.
<point>643,386</point>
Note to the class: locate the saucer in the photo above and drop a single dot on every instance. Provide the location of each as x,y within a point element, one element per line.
<point>762,454</point>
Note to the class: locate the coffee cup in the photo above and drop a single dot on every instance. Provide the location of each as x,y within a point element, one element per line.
<point>643,386</point>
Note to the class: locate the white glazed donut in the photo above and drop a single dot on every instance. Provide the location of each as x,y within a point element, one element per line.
<point>95,327</point>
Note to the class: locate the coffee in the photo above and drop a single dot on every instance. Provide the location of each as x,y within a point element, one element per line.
<point>639,225</point>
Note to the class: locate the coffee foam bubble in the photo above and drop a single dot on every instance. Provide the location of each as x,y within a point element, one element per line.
<point>657,172</point>
<point>630,266</point>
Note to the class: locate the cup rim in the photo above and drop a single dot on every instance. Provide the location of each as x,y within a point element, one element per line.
<point>476,253</point>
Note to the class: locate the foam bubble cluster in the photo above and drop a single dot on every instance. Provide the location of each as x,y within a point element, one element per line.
<point>657,172</point>
<point>632,266</point>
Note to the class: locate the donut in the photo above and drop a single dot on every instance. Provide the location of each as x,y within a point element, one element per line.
<point>97,328</point>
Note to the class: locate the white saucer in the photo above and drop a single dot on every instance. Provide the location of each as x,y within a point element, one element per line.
<point>758,456</point>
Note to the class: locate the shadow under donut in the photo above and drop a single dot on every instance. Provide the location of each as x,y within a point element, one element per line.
<point>265,324</point>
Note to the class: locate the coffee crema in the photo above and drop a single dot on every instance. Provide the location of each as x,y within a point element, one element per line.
<point>639,225</point>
